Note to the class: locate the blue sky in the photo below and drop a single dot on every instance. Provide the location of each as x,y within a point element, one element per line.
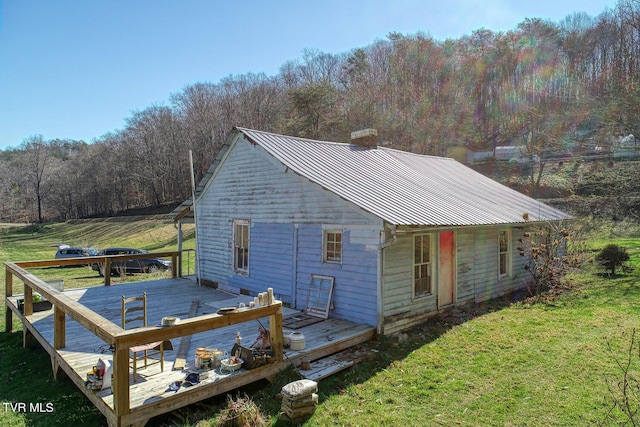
<point>77,69</point>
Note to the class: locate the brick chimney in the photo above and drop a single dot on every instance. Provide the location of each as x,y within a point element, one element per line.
<point>364,138</point>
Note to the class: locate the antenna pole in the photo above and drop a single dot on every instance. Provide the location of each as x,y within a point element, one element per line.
<point>195,218</point>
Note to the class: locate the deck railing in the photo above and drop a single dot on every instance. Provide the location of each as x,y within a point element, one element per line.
<point>188,258</point>
<point>107,260</point>
<point>120,339</point>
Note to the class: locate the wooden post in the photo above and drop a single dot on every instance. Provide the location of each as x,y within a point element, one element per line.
<point>59,328</point>
<point>174,265</point>
<point>107,272</point>
<point>28,300</point>
<point>179,225</point>
<point>8,292</point>
<point>275,326</point>
<point>120,383</point>
<point>28,340</point>
<point>58,373</point>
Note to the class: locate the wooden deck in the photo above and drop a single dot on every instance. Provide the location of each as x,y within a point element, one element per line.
<point>150,395</point>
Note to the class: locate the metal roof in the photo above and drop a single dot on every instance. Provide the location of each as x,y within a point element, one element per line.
<point>403,188</point>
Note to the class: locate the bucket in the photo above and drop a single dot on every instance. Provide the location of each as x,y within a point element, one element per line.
<point>206,362</point>
<point>216,357</point>
<point>200,353</point>
<point>305,364</point>
<point>296,341</point>
<point>285,337</point>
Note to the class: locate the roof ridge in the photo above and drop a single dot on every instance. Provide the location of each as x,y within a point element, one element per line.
<point>278,135</point>
<point>430,156</point>
<point>346,144</point>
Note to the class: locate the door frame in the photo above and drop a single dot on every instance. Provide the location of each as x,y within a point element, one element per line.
<point>447,283</point>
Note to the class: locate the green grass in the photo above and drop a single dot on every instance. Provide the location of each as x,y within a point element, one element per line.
<point>25,374</point>
<point>153,233</point>
<point>520,365</point>
<point>501,364</point>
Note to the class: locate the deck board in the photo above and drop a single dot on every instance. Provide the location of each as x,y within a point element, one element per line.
<point>174,297</point>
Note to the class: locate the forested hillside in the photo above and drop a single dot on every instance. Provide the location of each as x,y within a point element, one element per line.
<point>544,85</point>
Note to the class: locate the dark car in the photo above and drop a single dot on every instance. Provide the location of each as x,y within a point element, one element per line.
<point>147,265</point>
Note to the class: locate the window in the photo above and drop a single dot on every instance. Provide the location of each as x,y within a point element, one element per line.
<point>333,246</point>
<point>241,246</point>
<point>504,252</point>
<point>421,265</point>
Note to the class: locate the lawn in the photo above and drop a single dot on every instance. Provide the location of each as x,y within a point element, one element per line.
<point>519,365</point>
<point>25,374</point>
<point>36,242</point>
<point>499,363</point>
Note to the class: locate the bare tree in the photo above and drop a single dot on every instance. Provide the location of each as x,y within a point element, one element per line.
<point>198,107</point>
<point>535,85</point>
<point>35,161</point>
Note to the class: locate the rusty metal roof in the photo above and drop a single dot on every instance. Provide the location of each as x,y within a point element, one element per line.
<point>403,188</point>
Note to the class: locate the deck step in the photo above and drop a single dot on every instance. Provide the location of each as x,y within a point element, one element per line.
<point>325,367</point>
<point>330,365</point>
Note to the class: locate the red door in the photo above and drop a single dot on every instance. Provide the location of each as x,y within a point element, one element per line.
<point>446,268</point>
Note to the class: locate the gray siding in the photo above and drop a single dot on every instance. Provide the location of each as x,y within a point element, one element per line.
<point>399,308</point>
<point>477,277</point>
<point>252,185</point>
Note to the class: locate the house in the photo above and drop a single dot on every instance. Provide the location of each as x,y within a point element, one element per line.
<point>402,236</point>
<point>626,147</point>
<point>468,156</point>
<point>514,154</point>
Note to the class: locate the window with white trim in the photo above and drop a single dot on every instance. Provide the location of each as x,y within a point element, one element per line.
<point>504,252</point>
<point>422,276</point>
<point>332,246</point>
<point>241,246</point>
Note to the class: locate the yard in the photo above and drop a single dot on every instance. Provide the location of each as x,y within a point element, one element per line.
<point>496,364</point>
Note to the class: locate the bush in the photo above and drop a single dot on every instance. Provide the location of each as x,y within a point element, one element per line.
<point>241,412</point>
<point>551,253</point>
<point>611,257</point>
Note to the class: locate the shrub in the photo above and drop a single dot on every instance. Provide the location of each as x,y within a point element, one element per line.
<point>241,412</point>
<point>611,257</point>
<point>546,248</point>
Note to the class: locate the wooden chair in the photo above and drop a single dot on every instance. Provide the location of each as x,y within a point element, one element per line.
<point>134,315</point>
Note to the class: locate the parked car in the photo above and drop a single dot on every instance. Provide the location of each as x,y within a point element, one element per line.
<point>147,265</point>
<point>69,252</point>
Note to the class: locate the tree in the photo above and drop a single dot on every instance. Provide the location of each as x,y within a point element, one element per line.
<point>546,249</point>
<point>201,109</point>
<point>152,144</point>
<point>623,399</point>
<point>312,113</point>
<point>35,160</point>
<point>611,257</point>
<point>540,85</point>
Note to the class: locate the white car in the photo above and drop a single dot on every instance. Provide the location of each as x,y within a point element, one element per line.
<point>70,252</point>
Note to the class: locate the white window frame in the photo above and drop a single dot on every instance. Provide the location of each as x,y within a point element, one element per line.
<point>422,264</point>
<point>505,253</point>
<point>335,254</point>
<point>239,266</point>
